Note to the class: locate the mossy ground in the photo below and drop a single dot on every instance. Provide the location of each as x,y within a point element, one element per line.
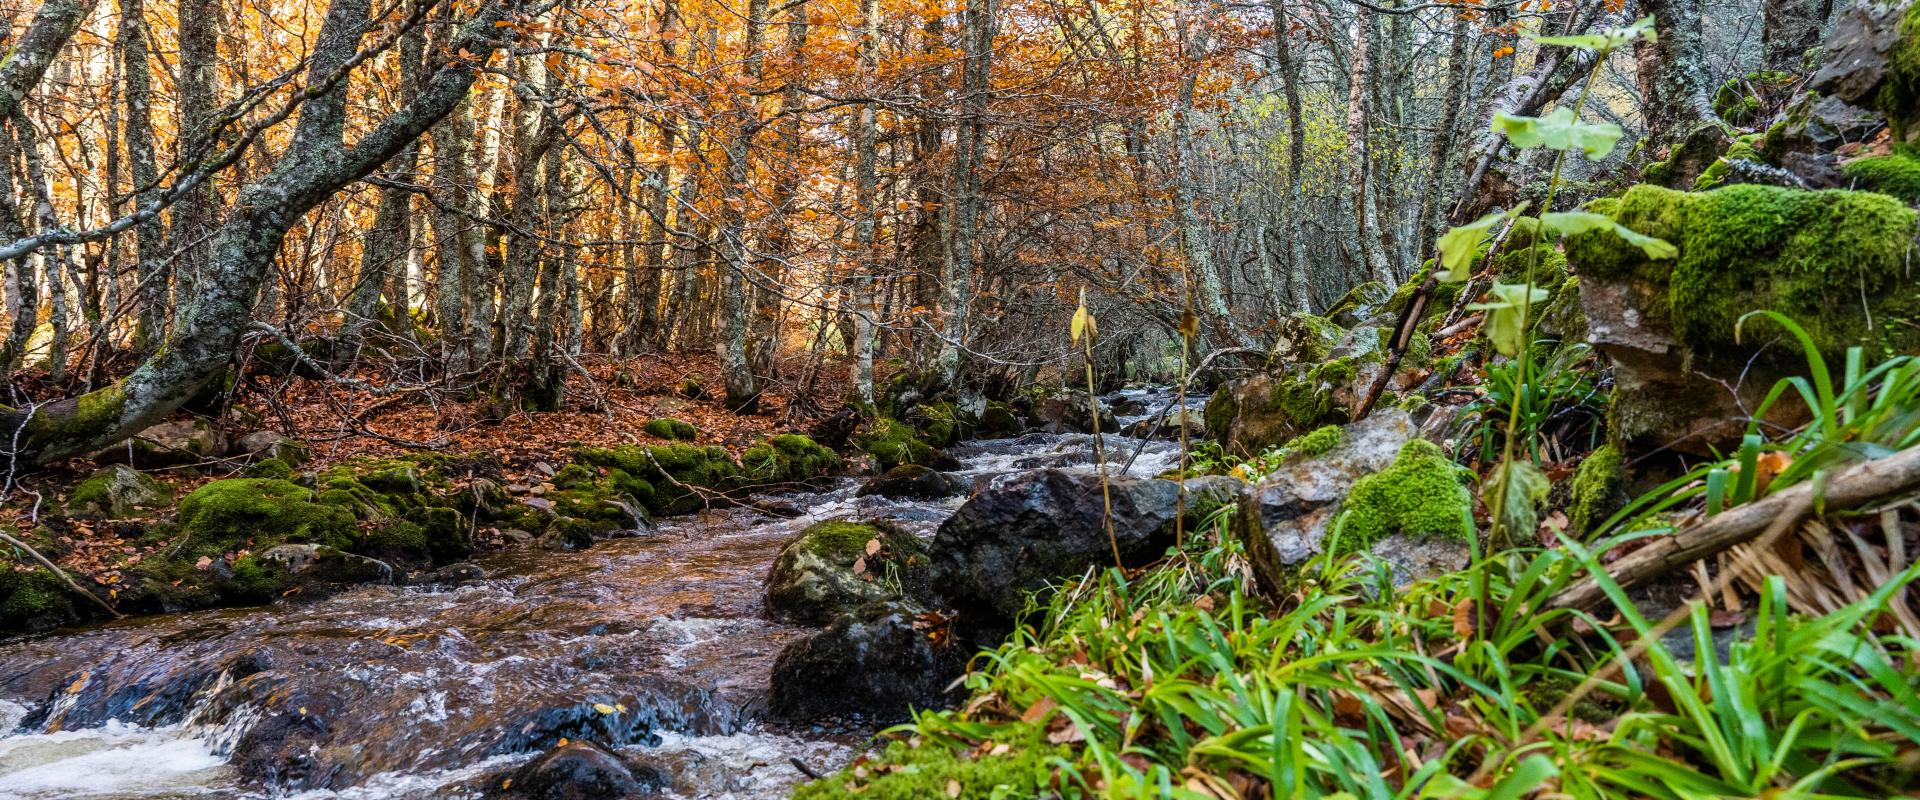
<point>670,428</point>
<point>904,771</point>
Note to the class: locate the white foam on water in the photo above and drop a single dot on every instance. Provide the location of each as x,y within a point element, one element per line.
<point>114,760</point>
<point>750,765</point>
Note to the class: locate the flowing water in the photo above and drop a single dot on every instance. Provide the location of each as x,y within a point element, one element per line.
<point>657,644</point>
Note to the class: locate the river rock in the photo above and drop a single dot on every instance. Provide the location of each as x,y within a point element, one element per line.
<point>913,482</point>
<point>836,566</point>
<point>1069,412</point>
<point>582,771</point>
<point>1020,533</point>
<point>117,491</point>
<point>1168,426</point>
<point>877,665</point>
<point>1283,521</point>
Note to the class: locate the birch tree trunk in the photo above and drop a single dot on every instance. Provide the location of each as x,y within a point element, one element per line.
<point>736,366</point>
<point>149,238</point>
<point>866,200</point>
<point>968,202</point>
<point>196,213</point>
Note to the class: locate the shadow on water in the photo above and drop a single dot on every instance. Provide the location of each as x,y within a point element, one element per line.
<point>656,645</point>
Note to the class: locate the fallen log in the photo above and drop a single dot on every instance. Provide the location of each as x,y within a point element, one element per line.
<point>1855,486</point>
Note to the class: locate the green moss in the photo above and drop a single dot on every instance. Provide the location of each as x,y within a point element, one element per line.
<point>34,600</point>
<point>93,414</point>
<point>1220,412</point>
<point>574,476</point>
<point>269,468</point>
<point>1717,173</point>
<point>1420,495</point>
<point>893,443</point>
<point>1359,302</point>
<point>1307,401</point>
<point>1318,442</point>
<point>669,428</point>
<point>927,771</point>
<point>1738,101</point>
<point>1814,256</point>
<point>96,493</point>
<point>1896,174</point>
<point>938,424</point>
<point>787,458</point>
<point>659,477</point>
<point>1599,489</point>
<point>226,515</point>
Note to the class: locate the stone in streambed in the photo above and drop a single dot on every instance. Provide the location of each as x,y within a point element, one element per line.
<point>1022,533</point>
<point>875,664</point>
<point>838,566</point>
<point>913,482</point>
<point>580,771</point>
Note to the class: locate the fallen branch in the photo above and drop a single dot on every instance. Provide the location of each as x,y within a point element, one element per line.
<point>1858,485</point>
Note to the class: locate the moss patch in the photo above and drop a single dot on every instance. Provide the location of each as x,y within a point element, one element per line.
<point>787,458</point>
<point>893,443</point>
<point>1421,495</point>
<point>1812,255</point>
<point>1896,174</point>
<point>829,570</point>
<point>34,600</point>
<point>1599,489</point>
<point>1317,443</point>
<point>927,771</point>
<point>669,428</point>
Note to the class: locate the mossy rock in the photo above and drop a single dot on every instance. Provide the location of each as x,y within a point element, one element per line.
<point>269,468</point>
<point>837,566</point>
<point>1832,260</point>
<point>1420,496</point>
<point>660,476</point>
<point>893,443</point>
<point>1721,170</point>
<point>670,428</point>
<point>1316,443</point>
<point>35,600</point>
<point>785,459</point>
<point>937,424</point>
<point>1896,174</point>
<point>117,491</point>
<point>999,421</point>
<point>1359,304</point>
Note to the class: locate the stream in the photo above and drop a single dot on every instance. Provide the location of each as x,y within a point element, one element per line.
<point>657,644</point>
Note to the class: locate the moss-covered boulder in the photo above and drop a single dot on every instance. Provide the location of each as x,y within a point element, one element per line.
<point>787,458</point>
<point>668,479</point>
<point>836,566</point>
<point>1373,487</point>
<point>117,491</point>
<point>1835,261</point>
<point>1359,304</point>
<point>207,557</point>
<point>893,443</point>
<point>670,428</point>
<point>939,424</point>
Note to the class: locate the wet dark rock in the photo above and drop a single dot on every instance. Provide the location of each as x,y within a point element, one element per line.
<point>876,665</point>
<point>1019,534</point>
<point>581,771</point>
<point>457,574</point>
<point>1069,412</point>
<point>913,482</point>
<point>1858,52</point>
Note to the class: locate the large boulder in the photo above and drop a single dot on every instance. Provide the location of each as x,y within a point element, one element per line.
<point>912,482</point>
<point>1404,501</point>
<point>117,491</point>
<point>876,665</point>
<point>837,566</point>
<point>269,444</point>
<point>1021,533</point>
<point>1685,377</point>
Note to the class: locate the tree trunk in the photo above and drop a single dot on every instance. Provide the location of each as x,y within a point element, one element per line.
<point>316,164</point>
<point>197,213</point>
<point>736,365</point>
<point>969,203</point>
<point>149,238</point>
